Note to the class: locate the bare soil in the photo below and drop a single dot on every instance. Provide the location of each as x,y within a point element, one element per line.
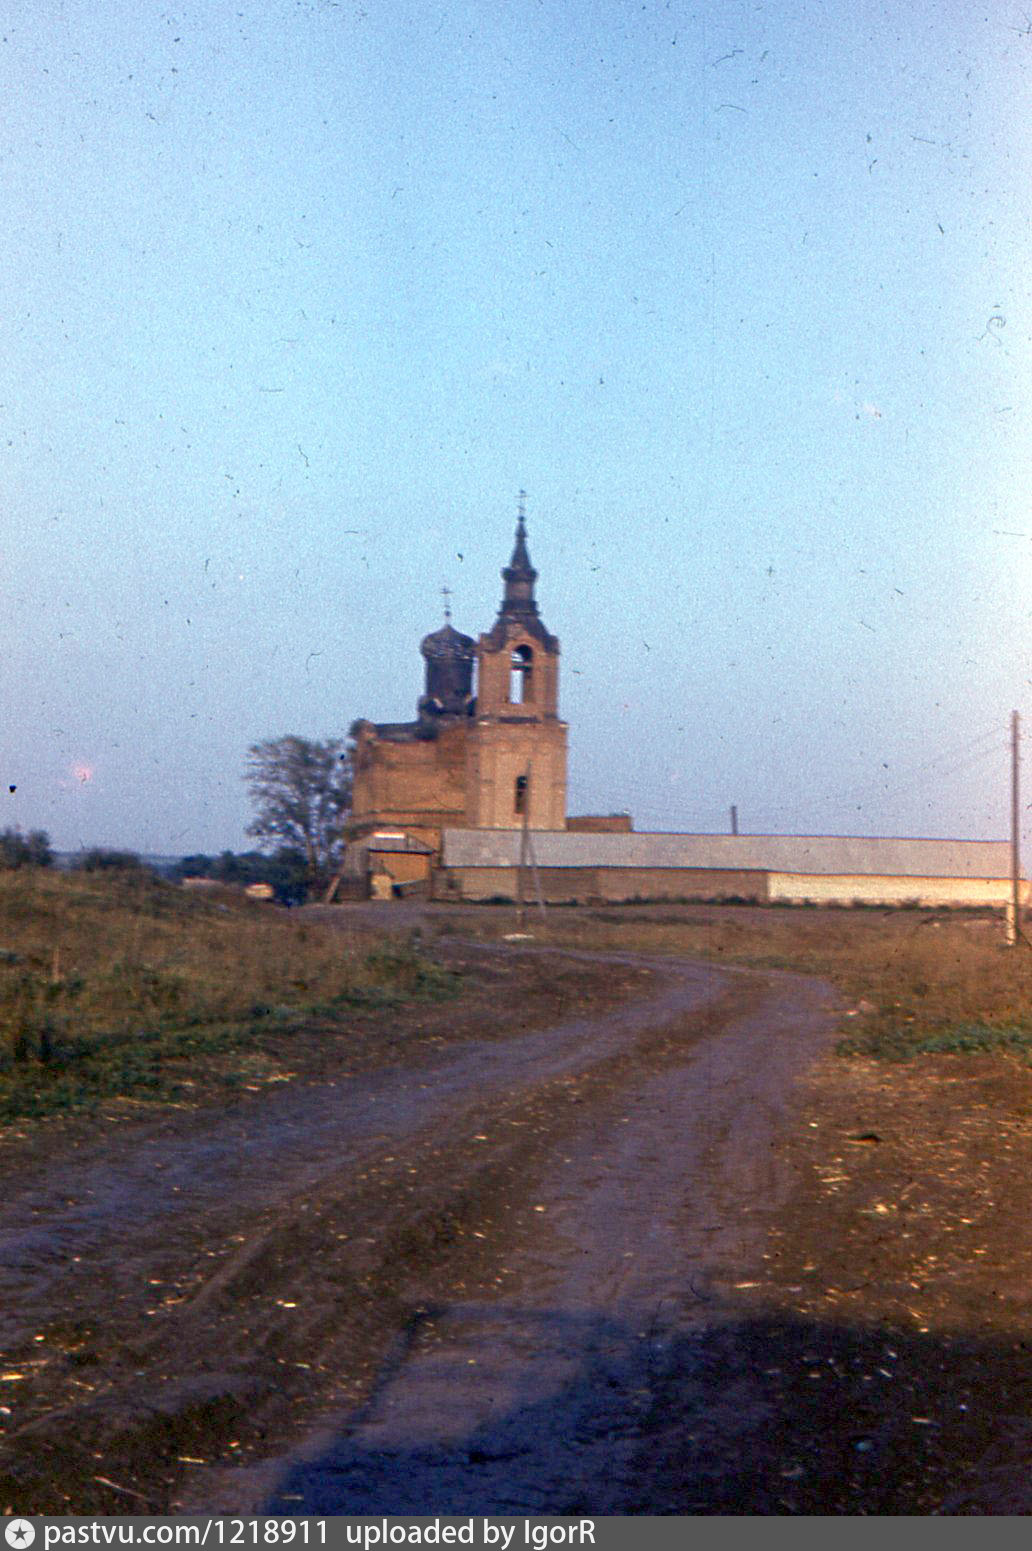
<point>601,1236</point>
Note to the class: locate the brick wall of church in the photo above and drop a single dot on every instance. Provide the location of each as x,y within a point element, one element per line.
<point>499,755</point>
<point>417,782</point>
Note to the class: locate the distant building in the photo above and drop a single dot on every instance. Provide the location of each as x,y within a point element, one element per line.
<point>440,802</point>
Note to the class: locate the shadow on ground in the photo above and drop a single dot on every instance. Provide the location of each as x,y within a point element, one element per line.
<point>486,1409</point>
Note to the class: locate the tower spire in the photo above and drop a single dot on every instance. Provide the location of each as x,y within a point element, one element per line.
<point>519,575</point>
<point>518,609</point>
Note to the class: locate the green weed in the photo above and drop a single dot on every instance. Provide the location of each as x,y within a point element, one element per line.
<point>901,1043</point>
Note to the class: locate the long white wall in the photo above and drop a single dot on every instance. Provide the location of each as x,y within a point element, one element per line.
<point>794,888</point>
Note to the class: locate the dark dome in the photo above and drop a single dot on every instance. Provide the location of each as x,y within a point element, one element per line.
<point>450,656</point>
<point>448,643</point>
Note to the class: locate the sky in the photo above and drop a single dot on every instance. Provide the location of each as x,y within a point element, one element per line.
<point>297,296</point>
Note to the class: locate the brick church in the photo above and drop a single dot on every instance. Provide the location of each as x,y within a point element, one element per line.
<point>486,750</point>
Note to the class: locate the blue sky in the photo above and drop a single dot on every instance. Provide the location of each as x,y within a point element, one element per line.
<point>296,297</point>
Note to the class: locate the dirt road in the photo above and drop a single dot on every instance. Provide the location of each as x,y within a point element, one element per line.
<point>637,1222</point>
<point>453,1284</point>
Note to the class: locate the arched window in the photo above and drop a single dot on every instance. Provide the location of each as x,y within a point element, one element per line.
<point>520,802</point>
<point>521,676</point>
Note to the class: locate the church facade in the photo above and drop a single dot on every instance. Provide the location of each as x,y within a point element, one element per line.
<point>487,749</point>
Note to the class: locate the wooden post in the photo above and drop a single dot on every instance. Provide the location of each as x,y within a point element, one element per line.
<point>521,870</point>
<point>1014,912</point>
<point>539,896</point>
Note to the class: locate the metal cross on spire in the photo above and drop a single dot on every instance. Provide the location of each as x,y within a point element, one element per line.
<point>446,593</point>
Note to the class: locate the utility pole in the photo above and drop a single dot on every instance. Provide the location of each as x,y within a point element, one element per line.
<point>1014,909</point>
<point>521,873</point>
<point>521,870</point>
<point>539,896</point>
<point>527,859</point>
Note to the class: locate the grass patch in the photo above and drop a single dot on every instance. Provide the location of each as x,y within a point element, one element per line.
<point>900,1044</point>
<point>119,985</point>
<point>917,981</point>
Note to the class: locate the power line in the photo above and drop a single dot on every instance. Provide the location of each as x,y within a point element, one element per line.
<point>964,757</point>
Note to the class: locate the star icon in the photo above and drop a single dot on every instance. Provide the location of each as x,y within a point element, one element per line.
<point>19,1533</point>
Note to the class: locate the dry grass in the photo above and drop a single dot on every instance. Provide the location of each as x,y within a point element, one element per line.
<point>111,984</point>
<point>119,984</point>
<point>914,980</point>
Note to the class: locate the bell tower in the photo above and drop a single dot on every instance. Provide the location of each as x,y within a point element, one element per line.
<point>516,761</point>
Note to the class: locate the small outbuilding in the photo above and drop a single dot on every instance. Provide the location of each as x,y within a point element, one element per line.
<point>386,864</point>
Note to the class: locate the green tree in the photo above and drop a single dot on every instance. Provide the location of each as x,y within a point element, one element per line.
<point>301,793</point>
<point>102,859</point>
<point>31,850</point>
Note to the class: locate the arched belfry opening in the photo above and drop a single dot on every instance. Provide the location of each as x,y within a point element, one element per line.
<point>521,676</point>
